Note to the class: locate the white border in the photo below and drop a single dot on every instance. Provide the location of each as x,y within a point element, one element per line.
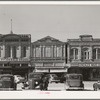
<point>50,94</point>
<point>53,2</point>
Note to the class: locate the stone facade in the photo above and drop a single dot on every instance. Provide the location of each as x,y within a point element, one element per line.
<point>48,55</point>
<point>15,53</point>
<point>84,57</point>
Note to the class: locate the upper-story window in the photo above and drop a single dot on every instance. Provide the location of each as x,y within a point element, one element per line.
<point>59,51</point>
<point>48,52</point>
<point>38,52</point>
<point>24,51</point>
<point>0,51</point>
<point>74,53</point>
<point>86,53</point>
<point>9,51</point>
<point>14,51</point>
<point>96,53</point>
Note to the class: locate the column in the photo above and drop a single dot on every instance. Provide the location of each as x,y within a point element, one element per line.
<point>90,55</point>
<point>68,53</point>
<point>41,51</point>
<point>56,51</point>
<point>19,51</point>
<point>61,52</point>
<point>52,51</point>
<point>79,53</point>
<point>64,51</point>
<point>11,52</point>
<point>74,54</point>
<point>96,53</point>
<point>33,51</point>
<point>3,54</point>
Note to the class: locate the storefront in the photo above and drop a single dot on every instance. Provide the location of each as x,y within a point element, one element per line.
<point>89,71</point>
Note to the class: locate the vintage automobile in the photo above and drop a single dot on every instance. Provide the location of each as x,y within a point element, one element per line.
<point>7,82</point>
<point>96,86</point>
<point>35,80</point>
<point>53,78</point>
<point>19,79</point>
<point>74,82</point>
<point>63,78</point>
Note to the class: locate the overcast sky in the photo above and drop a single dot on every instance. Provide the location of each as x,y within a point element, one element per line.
<point>59,21</point>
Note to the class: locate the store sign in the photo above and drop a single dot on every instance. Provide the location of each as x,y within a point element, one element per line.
<point>85,65</point>
<point>89,65</point>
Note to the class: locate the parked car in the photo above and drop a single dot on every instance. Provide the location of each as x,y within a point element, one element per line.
<point>74,82</point>
<point>53,78</point>
<point>7,82</point>
<point>18,78</point>
<point>63,78</point>
<point>35,80</point>
<point>96,86</point>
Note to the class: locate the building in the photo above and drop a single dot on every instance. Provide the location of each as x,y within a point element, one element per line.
<point>48,55</point>
<point>15,53</point>
<point>84,57</point>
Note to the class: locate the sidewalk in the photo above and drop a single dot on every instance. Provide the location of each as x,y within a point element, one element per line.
<point>88,85</point>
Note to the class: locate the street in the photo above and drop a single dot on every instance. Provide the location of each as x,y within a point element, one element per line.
<point>88,86</point>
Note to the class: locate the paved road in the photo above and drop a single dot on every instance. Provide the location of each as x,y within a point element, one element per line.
<point>88,86</point>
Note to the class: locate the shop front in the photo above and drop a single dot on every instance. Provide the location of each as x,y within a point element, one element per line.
<point>90,72</point>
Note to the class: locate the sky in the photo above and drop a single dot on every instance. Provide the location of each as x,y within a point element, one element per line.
<point>58,21</point>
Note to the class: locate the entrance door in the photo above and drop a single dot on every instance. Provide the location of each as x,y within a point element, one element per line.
<point>86,74</point>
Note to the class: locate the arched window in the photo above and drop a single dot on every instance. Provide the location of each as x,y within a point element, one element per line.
<point>14,51</point>
<point>74,53</point>
<point>86,53</point>
<point>0,51</point>
<point>8,51</point>
<point>96,53</point>
<point>24,51</point>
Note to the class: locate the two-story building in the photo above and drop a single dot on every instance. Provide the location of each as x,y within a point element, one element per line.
<point>48,55</point>
<point>15,53</point>
<point>83,56</point>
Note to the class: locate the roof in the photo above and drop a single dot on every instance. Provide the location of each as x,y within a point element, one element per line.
<point>6,75</point>
<point>48,39</point>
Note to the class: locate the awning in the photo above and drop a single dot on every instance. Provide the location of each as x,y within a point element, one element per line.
<point>58,70</point>
<point>41,70</point>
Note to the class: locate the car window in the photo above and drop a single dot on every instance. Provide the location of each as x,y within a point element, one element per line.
<point>74,77</point>
<point>5,78</point>
<point>35,76</point>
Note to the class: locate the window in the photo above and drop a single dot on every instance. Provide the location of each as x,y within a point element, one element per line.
<point>8,51</point>
<point>48,52</point>
<point>94,53</point>
<point>38,52</point>
<point>0,51</point>
<point>14,51</point>
<point>86,53</point>
<point>59,52</point>
<point>24,51</point>
<point>98,53</point>
<point>74,53</point>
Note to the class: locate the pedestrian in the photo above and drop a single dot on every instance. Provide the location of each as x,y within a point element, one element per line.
<point>45,83</point>
<point>41,84</point>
